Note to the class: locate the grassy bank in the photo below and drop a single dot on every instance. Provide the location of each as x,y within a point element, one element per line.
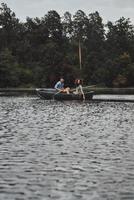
<point>17,91</point>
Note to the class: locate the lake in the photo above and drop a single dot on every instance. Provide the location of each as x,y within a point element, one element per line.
<point>66,150</point>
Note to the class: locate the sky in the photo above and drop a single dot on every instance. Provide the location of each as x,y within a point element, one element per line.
<point>110,10</point>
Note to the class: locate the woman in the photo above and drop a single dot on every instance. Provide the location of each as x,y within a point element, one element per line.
<point>79,89</point>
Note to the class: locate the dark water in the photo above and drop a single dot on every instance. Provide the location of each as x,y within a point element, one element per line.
<point>66,150</point>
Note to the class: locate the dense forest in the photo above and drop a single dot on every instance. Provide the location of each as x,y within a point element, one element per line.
<point>35,53</point>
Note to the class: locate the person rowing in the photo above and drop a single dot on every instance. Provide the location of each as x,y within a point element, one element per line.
<point>79,88</point>
<point>59,86</point>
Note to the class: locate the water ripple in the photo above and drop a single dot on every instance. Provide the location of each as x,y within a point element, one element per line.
<point>66,150</point>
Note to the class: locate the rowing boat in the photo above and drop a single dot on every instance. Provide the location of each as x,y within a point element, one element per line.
<point>53,94</point>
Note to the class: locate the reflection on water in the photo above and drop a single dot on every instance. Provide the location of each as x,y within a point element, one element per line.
<point>66,150</point>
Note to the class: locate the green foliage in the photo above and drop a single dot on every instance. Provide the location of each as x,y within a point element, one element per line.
<point>39,51</point>
<point>8,69</point>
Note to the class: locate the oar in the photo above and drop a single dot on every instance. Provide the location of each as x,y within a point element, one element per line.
<point>90,86</point>
<point>57,93</point>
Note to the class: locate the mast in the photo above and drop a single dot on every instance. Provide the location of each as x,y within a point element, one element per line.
<point>80,56</point>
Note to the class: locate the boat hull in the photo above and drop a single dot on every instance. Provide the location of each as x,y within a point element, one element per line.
<point>49,94</point>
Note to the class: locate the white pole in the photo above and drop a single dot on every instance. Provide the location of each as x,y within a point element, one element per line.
<point>80,56</point>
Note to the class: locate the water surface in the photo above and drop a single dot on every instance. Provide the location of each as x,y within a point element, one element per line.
<point>66,150</point>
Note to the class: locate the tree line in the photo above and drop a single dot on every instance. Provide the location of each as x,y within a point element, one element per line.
<point>35,53</point>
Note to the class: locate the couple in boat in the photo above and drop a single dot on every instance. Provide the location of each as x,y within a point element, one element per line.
<point>59,86</point>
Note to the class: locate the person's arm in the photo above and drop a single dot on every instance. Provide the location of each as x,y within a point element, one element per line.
<point>57,87</point>
<point>81,89</point>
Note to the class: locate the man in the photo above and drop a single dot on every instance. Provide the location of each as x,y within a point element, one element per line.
<point>60,86</point>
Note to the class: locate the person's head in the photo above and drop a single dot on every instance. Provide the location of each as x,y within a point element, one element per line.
<point>61,80</point>
<point>78,82</point>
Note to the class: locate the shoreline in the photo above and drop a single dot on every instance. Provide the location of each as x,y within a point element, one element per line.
<point>32,91</point>
<point>101,94</point>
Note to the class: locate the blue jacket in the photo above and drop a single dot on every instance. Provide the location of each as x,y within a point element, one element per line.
<point>59,85</point>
